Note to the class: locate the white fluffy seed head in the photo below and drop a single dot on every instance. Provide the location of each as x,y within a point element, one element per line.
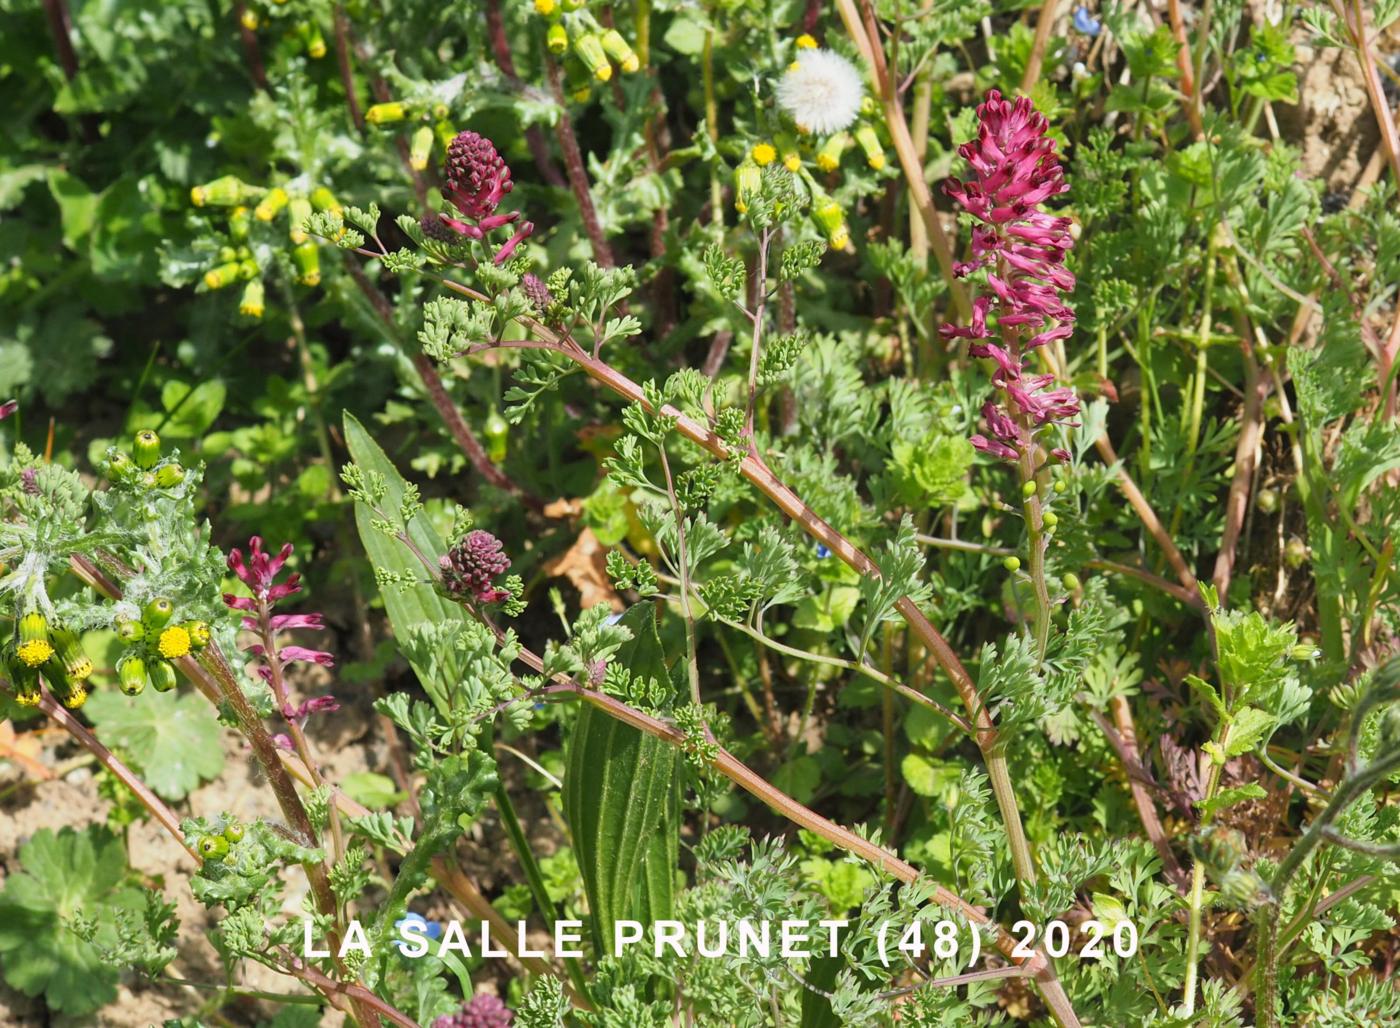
<point>822,91</point>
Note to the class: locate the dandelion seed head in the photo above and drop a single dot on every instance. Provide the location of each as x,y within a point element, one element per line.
<point>822,91</point>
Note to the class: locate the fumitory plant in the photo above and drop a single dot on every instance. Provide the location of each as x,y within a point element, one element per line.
<point>595,513</point>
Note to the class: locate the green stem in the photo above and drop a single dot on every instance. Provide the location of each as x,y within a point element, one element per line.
<point>1196,899</point>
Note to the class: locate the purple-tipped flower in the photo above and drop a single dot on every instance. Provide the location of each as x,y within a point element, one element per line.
<point>7,408</point>
<point>477,180</point>
<point>481,1011</point>
<point>1015,169</point>
<point>29,481</point>
<point>259,572</point>
<point>536,291</point>
<point>470,568</point>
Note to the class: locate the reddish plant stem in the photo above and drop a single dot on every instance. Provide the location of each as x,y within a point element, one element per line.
<point>457,426</point>
<point>1036,60</point>
<point>534,136</point>
<point>112,763</point>
<point>1123,739</point>
<point>1183,63</point>
<point>1147,515</point>
<point>371,1007</point>
<point>251,52</point>
<point>61,28</point>
<point>576,170</point>
<point>345,60</point>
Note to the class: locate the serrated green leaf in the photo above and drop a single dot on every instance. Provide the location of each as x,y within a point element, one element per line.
<point>1248,728</point>
<point>1229,797</point>
<point>171,738</point>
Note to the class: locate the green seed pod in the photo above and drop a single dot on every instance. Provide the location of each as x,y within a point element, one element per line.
<point>34,645</point>
<point>420,150</point>
<point>240,219</point>
<point>831,216</point>
<point>385,113</point>
<point>163,677</point>
<point>120,466</point>
<point>169,475</point>
<point>199,634</point>
<point>1070,581</point>
<point>556,37</point>
<point>307,256</point>
<point>1028,489</point>
<point>315,42</point>
<point>156,613</point>
<point>497,434</point>
<point>271,205</point>
<point>1266,501</point>
<point>228,191</point>
<point>145,449</point>
<point>76,664</point>
<point>1060,485</point>
<point>1295,552</point>
<point>130,631</point>
<point>1012,563</point>
<point>233,832</point>
<point>298,210</point>
<point>621,51</point>
<point>870,143</point>
<point>131,673</point>
<point>213,847</point>
<point>590,51</point>
<point>1050,519</point>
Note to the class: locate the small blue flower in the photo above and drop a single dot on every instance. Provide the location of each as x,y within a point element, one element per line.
<point>1085,22</point>
<point>822,551</point>
<point>417,925</point>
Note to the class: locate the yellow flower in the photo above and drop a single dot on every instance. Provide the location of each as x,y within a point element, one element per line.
<point>806,42</point>
<point>545,7</point>
<point>764,154</point>
<point>35,651</point>
<point>174,643</point>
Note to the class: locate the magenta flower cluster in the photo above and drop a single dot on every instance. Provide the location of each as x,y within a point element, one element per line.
<point>471,567</point>
<point>259,573</point>
<point>477,181</point>
<point>481,1011</point>
<point>7,408</point>
<point>1015,169</point>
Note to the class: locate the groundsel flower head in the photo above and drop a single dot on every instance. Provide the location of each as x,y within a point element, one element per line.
<point>822,91</point>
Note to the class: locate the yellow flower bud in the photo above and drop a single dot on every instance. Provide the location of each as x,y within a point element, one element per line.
<point>806,42</point>
<point>748,179</point>
<point>832,218</point>
<point>545,7</point>
<point>307,256</point>
<point>829,156</point>
<point>324,200</point>
<point>870,143</point>
<point>557,38</point>
<point>421,148</point>
<point>226,191</point>
<point>253,301</point>
<point>271,204</point>
<point>385,113</point>
<point>249,19</point>
<point>223,275</point>
<point>621,51</point>
<point>34,646</point>
<point>763,154</point>
<point>590,51</point>
<point>298,210</point>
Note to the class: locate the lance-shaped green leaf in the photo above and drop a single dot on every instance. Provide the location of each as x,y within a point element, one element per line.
<point>621,799</point>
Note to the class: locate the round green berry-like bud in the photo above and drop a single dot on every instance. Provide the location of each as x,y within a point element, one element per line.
<point>145,450</point>
<point>1050,519</point>
<point>199,634</point>
<point>130,631</point>
<point>156,613</point>
<point>131,674</point>
<point>1012,563</point>
<point>1070,581</point>
<point>119,464</point>
<point>163,677</point>
<point>233,832</point>
<point>1305,651</point>
<point>1266,501</point>
<point>213,847</point>
<point>1295,552</point>
<point>557,38</point>
<point>169,475</point>
<point>497,432</point>
<point>1029,489</point>
<point>1060,485</point>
